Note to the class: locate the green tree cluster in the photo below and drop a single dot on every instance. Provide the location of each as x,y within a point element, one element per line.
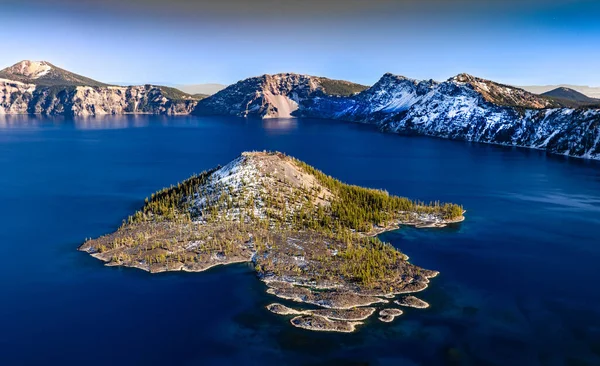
<point>370,261</point>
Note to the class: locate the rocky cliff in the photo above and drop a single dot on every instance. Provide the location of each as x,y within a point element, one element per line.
<point>40,88</point>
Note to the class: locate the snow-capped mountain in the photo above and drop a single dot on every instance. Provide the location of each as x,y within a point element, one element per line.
<point>38,87</point>
<point>391,94</point>
<point>464,108</point>
<point>457,110</point>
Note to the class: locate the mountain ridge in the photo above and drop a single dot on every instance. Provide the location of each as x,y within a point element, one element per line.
<point>572,97</point>
<point>506,95</point>
<point>463,107</point>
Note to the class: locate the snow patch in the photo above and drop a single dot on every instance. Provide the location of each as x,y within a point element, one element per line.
<point>31,69</point>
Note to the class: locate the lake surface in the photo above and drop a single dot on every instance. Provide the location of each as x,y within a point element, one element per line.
<point>518,284</point>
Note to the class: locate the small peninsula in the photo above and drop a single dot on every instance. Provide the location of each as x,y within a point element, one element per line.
<point>310,238</point>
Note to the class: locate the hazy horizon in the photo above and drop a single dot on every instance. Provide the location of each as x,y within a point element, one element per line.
<point>530,42</point>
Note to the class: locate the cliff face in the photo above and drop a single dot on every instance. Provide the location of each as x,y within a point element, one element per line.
<point>22,98</point>
<point>270,96</point>
<point>15,97</point>
<point>133,99</point>
<point>38,87</point>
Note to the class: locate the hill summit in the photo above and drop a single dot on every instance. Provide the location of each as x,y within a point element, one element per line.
<point>571,97</point>
<point>44,73</point>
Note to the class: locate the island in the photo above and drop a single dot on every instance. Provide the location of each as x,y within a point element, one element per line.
<point>310,238</point>
<point>412,302</point>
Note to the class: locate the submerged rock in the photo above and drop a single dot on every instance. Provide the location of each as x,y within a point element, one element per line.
<point>388,315</point>
<point>412,302</point>
<point>322,324</point>
<point>354,314</point>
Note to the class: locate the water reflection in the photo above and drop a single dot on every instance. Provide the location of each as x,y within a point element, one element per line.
<point>573,202</point>
<point>112,123</point>
<point>25,120</point>
<point>102,122</point>
<point>280,126</point>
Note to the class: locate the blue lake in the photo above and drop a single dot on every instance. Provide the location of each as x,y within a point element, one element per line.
<point>518,284</point>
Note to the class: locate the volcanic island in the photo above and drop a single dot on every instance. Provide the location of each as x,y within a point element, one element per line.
<point>310,238</point>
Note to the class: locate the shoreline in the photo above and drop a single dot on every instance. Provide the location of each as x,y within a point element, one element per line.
<point>423,224</point>
<point>412,302</point>
<point>279,309</point>
<point>301,290</point>
<point>351,326</point>
<point>182,268</point>
<point>377,231</point>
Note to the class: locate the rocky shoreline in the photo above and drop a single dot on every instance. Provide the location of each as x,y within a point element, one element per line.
<point>388,315</point>
<point>411,301</point>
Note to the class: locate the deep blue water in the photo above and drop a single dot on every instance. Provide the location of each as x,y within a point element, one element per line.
<point>518,284</point>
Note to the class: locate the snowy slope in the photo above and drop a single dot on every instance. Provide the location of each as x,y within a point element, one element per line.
<point>31,69</point>
<point>457,111</point>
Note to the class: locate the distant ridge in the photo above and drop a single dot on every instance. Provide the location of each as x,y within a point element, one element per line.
<point>571,96</point>
<point>206,89</point>
<point>590,91</point>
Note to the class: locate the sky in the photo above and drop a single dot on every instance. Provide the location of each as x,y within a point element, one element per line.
<point>519,42</point>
